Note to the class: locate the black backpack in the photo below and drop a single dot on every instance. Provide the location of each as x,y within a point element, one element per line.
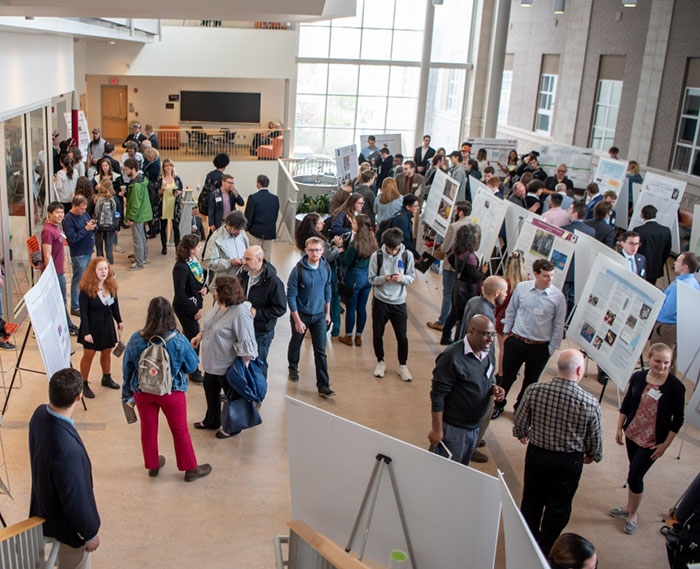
<point>203,199</point>
<point>108,217</point>
<point>380,260</point>
<point>384,225</point>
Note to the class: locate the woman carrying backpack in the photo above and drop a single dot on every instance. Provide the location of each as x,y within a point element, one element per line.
<point>108,215</point>
<point>161,327</point>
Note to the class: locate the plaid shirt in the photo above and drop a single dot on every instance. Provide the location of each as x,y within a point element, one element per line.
<point>559,416</point>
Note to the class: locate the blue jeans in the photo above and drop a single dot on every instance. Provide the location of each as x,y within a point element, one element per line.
<point>104,241</point>
<point>316,323</point>
<point>448,281</point>
<point>264,341</point>
<point>62,286</point>
<point>358,280</point>
<point>79,263</point>
<point>460,442</point>
<point>335,303</point>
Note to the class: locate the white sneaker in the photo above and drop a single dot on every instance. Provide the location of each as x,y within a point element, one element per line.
<point>380,369</point>
<point>404,373</point>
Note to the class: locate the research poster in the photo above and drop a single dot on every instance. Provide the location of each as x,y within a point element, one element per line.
<point>497,149</point>
<point>515,218</point>
<point>614,318</point>
<point>665,194</point>
<point>692,411</point>
<point>695,231</point>
<point>686,333</point>
<point>579,162</point>
<point>346,163</point>
<point>390,141</point>
<point>47,312</point>
<point>587,249</point>
<point>610,175</point>
<point>488,213</point>
<point>83,133</point>
<point>440,203</point>
<point>540,240</point>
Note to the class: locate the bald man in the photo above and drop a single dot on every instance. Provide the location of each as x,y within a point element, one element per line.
<point>560,424</point>
<point>462,387</point>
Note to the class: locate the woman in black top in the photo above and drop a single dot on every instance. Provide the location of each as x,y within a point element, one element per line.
<point>190,288</point>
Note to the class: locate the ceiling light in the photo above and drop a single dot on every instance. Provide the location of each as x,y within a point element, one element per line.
<point>629,3</point>
<point>526,3</point>
<point>559,6</point>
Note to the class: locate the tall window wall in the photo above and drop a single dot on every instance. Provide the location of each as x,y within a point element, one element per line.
<point>361,75</point>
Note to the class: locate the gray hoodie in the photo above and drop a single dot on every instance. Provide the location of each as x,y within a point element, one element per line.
<point>391,292</point>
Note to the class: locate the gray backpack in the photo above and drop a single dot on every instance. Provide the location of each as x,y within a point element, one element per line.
<point>155,375</point>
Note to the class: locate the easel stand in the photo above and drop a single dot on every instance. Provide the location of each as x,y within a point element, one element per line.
<point>382,463</point>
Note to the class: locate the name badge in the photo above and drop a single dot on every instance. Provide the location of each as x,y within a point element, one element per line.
<point>218,199</point>
<point>655,394</point>
<point>538,312</point>
<point>415,185</point>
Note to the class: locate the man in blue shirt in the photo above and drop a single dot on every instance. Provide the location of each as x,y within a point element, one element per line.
<point>80,234</point>
<point>686,265</point>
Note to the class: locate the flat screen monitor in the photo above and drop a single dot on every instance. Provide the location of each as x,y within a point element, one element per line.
<point>219,107</point>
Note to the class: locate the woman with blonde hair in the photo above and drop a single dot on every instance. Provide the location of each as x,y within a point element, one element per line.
<point>389,202</point>
<point>169,201</point>
<point>514,273</point>
<point>99,310</point>
<point>105,233</point>
<point>363,168</point>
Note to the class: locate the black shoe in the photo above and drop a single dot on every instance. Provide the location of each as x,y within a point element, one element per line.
<point>199,471</point>
<point>7,346</point>
<point>479,457</point>
<point>326,392</point>
<point>107,381</point>
<point>482,443</point>
<point>87,392</point>
<point>445,341</point>
<point>293,374</point>
<point>72,329</point>
<point>164,250</point>
<point>75,312</point>
<point>221,435</point>
<point>196,377</point>
<point>153,472</point>
<point>497,411</point>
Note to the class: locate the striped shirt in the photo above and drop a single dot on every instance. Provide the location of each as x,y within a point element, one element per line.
<point>559,416</point>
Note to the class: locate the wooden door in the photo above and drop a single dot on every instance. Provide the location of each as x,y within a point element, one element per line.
<point>114,113</point>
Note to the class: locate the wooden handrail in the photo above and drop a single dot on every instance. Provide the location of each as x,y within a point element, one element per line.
<point>334,554</point>
<point>19,527</point>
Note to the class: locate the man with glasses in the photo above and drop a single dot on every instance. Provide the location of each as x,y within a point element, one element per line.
<point>309,299</point>
<point>559,177</point>
<point>223,201</point>
<point>226,246</point>
<point>462,387</point>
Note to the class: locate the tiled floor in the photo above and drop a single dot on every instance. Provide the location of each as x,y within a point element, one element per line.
<point>229,518</point>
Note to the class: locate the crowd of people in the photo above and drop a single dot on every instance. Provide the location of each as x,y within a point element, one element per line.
<point>368,244</point>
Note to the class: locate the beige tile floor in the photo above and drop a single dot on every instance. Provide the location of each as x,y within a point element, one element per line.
<point>229,519</point>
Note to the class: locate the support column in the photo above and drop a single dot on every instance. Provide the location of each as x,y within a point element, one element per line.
<point>424,74</point>
<point>498,57</point>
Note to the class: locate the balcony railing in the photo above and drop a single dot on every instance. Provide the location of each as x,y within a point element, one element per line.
<point>230,24</point>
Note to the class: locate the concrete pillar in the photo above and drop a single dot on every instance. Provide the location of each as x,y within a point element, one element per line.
<point>498,57</point>
<point>424,74</point>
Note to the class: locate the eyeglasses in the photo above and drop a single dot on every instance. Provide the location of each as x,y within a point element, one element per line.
<point>315,250</point>
<point>485,334</point>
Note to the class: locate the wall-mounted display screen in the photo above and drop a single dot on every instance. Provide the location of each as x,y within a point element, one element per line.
<point>219,107</point>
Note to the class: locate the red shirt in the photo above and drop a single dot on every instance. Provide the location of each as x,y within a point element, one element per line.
<point>54,236</point>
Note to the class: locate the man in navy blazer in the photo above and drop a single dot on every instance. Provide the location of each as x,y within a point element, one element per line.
<point>261,211</point>
<point>62,490</point>
<point>222,202</point>
<point>656,243</point>
<point>630,245</point>
<point>577,214</point>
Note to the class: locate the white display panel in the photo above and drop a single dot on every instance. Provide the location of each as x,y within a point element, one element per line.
<point>346,164</point>
<point>686,332</point>
<point>578,162</point>
<point>439,206</point>
<point>587,249</point>
<point>488,213</point>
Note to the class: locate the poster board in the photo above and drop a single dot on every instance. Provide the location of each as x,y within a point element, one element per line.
<point>540,240</point>
<point>390,141</point>
<point>488,213</point>
<point>621,207</point>
<point>692,411</point>
<point>330,462</point>
<point>579,162</point>
<point>346,163</point>
<point>695,231</point>
<point>522,551</point>
<point>497,149</point>
<point>614,318</point>
<point>665,194</point>
<point>437,213</point>
<point>47,313</point>
<point>686,332</point>
<point>611,175</point>
<point>83,133</point>
<point>514,218</point>
<point>587,249</point>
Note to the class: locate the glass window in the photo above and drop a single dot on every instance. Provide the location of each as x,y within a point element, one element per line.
<point>686,157</point>
<point>336,138</point>
<point>312,77</point>
<point>310,110</point>
<point>403,81</point>
<point>410,15</point>
<point>379,14</point>
<point>545,103</point>
<point>376,44</point>
<point>504,101</point>
<point>37,140</point>
<point>308,141</point>
<point>440,123</point>
<point>342,79</point>
<point>345,43</point>
<point>374,80</point>
<point>313,41</point>
<point>605,117</point>
<point>401,113</point>
<point>451,32</point>
<point>341,111</point>
<point>408,46</point>
<point>371,113</point>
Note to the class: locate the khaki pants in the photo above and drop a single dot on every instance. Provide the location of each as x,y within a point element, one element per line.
<point>73,558</point>
<point>266,245</point>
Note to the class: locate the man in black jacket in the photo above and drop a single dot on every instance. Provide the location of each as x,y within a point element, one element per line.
<point>404,221</point>
<point>62,491</point>
<point>265,291</point>
<point>261,211</point>
<point>387,163</point>
<point>655,243</point>
<point>222,202</point>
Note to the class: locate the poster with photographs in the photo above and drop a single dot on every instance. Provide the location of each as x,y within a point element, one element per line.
<point>665,194</point>
<point>688,355</point>
<point>610,175</point>
<point>614,318</point>
<point>515,219</point>
<point>540,240</point>
<point>346,163</point>
<point>488,213</point>
<point>440,203</point>
<point>579,162</point>
<point>497,149</point>
<point>587,249</point>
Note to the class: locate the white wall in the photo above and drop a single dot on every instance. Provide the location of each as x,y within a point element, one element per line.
<point>244,173</point>
<point>35,68</point>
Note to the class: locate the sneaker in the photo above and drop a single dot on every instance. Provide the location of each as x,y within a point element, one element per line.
<point>347,340</point>
<point>196,377</point>
<point>404,373</point>
<point>135,267</point>
<point>107,381</point>
<point>380,369</point>
<point>87,392</point>
<point>72,329</point>
<point>445,341</point>
<point>497,411</point>
<point>75,312</point>
<point>435,326</point>
<point>199,471</point>
<point>630,527</point>
<point>153,472</point>
<point>479,456</point>
<point>293,374</point>
<point>326,392</point>
<point>7,346</point>
<point>618,513</point>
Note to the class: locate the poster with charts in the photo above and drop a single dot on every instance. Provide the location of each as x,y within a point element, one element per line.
<point>437,213</point>
<point>579,162</point>
<point>497,149</point>
<point>614,318</point>
<point>611,175</point>
<point>540,240</point>
<point>47,312</point>
<point>665,194</point>
<point>488,213</point>
<point>346,164</point>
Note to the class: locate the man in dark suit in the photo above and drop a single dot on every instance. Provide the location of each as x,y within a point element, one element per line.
<point>604,232</point>
<point>630,245</point>
<point>223,201</point>
<point>423,155</point>
<point>387,163</point>
<point>655,243</point>
<point>62,490</point>
<point>261,211</point>
<point>577,213</point>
